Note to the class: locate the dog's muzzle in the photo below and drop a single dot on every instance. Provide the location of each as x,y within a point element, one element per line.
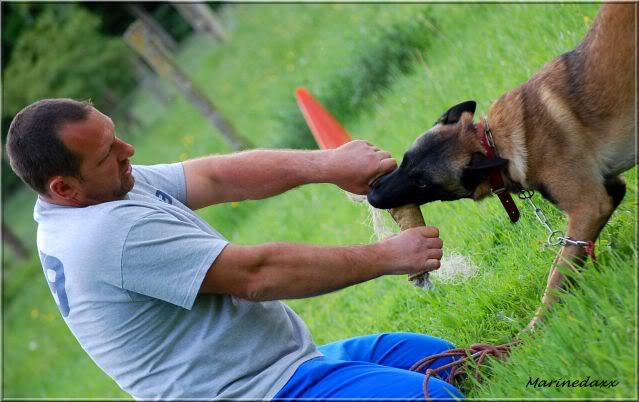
<point>390,191</point>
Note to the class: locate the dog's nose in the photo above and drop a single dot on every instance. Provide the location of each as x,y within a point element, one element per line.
<point>374,198</point>
<point>389,191</point>
<point>379,199</point>
<point>376,195</point>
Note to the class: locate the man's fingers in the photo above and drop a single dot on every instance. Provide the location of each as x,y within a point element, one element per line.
<point>387,165</point>
<point>383,154</point>
<point>435,254</point>
<point>428,231</point>
<point>435,243</point>
<point>432,265</point>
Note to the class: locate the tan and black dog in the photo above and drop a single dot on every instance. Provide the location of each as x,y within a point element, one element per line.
<point>568,132</point>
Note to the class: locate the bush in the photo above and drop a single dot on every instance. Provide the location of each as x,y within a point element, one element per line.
<point>64,55</point>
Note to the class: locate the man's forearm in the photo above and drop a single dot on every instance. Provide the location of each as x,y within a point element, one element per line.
<point>291,271</point>
<point>275,271</point>
<point>257,174</point>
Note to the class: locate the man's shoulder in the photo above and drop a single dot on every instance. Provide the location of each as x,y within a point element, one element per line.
<point>106,216</point>
<point>168,178</point>
<point>160,173</point>
<point>126,210</point>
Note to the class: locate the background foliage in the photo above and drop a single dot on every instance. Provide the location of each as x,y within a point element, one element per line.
<point>78,62</point>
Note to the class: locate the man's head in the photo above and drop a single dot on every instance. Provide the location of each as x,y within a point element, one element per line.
<point>68,153</point>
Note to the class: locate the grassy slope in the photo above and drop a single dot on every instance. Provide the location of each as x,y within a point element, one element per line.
<point>480,52</point>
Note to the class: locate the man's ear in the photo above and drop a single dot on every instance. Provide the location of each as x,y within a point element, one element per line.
<point>479,161</point>
<point>453,114</point>
<point>62,187</point>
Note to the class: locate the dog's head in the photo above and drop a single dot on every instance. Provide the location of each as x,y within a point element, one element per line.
<point>445,163</point>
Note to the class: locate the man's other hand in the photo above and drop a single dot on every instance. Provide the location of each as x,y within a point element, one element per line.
<point>355,165</point>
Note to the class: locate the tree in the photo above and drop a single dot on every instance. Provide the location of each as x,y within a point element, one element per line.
<point>64,55</point>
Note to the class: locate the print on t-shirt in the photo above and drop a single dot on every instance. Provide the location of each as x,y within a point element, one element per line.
<point>54,272</point>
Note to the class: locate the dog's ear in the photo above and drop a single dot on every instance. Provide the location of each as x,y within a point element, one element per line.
<point>479,161</point>
<point>453,114</point>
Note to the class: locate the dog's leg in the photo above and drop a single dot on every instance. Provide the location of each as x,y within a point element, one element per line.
<point>586,218</point>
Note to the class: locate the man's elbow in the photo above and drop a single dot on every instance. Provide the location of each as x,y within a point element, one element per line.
<point>243,272</point>
<point>258,289</point>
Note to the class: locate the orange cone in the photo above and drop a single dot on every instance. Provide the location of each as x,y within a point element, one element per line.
<point>327,131</point>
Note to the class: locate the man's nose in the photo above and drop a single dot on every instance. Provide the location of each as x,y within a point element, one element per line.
<point>130,149</point>
<point>126,150</point>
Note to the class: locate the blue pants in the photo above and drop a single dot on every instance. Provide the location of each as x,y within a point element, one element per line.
<point>373,366</point>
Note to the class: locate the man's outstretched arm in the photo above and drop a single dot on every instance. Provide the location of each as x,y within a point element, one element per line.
<point>257,174</point>
<point>275,271</point>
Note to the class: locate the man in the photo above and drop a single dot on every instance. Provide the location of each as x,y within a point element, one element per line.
<point>166,306</point>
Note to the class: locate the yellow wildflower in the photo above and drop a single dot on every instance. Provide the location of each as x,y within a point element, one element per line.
<point>187,140</point>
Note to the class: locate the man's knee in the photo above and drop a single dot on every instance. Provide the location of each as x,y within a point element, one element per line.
<point>441,390</point>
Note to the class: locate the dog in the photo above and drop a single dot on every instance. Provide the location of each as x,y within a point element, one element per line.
<point>568,133</point>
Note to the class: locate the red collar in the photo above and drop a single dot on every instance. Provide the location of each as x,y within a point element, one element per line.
<point>494,174</point>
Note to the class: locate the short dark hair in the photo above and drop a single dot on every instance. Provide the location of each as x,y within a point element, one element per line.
<point>35,149</point>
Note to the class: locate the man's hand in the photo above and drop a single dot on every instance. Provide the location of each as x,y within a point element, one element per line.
<point>413,251</point>
<point>356,164</point>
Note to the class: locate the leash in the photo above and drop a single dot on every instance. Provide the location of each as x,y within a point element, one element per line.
<point>556,237</point>
<point>477,353</point>
<point>495,178</point>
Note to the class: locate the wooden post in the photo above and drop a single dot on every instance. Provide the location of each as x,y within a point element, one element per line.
<point>202,19</point>
<point>142,40</point>
<point>15,244</point>
<point>150,81</point>
<point>142,15</point>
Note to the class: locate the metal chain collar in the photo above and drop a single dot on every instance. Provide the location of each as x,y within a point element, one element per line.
<point>555,237</point>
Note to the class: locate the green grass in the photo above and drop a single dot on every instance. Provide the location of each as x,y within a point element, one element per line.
<point>476,52</point>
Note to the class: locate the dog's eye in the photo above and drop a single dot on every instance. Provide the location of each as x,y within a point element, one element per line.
<point>420,181</point>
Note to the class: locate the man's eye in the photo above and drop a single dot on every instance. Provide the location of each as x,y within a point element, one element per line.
<point>105,158</point>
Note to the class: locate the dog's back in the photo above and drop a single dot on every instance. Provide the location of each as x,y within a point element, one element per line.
<point>606,79</point>
<point>607,66</point>
<point>583,100</point>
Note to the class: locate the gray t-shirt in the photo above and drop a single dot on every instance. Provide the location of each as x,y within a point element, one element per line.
<point>126,275</point>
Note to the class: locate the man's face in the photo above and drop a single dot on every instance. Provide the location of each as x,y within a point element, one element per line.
<point>105,171</point>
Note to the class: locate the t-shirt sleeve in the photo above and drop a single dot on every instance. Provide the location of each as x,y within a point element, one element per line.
<point>169,178</point>
<point>167,259</point>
